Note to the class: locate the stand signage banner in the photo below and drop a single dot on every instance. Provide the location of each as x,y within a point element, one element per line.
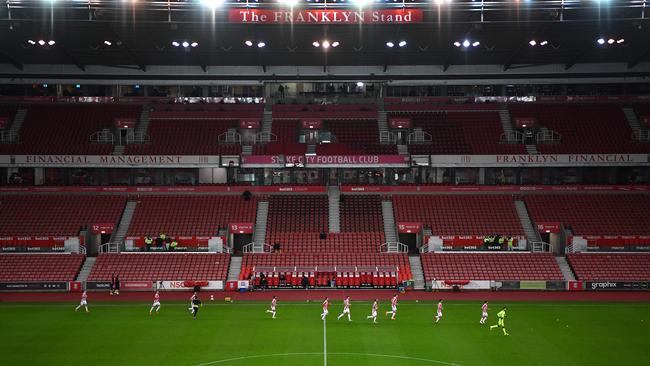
<point>33,286</point>
<point>617,286</point>
<point>325,16</point>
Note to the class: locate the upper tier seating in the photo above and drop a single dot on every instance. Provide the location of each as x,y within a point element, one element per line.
<point>461,133</point>
<point>8,111</point>
<point>610,266</point>
<point>298,213</point>
<point>161,267</point>
<point>593,214</point>
<point>491,266</point>
<point>40,267</point>
<point>460,214</point>
<point>333,243</point>
<point>287,132</point>
<point>44,215</point>
<point>66,129</point>
<point>361,213</point>
<point>642,110</point>
<point>186,137</point>
<point>190,215</point>
<point>328,111</point>
<point>584,129</point>
<point>354,137</point>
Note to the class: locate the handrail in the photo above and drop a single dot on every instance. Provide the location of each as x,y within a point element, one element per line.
<point>137,137</point>
<point>103,137</point>
<point>641,135</point>
<point>265,137</point>
<point>257,248</point>
<point>548,136</point>
<point>9,137</point>
<point>109,247</point>
<point>514,137</point>
<point>393,247</point>
<point>419,137</point>
<point>540,246</point>
<point>229,137</point>
<point>387,137</point>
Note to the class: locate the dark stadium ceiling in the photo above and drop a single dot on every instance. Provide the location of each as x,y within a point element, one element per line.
<point>140,33</point>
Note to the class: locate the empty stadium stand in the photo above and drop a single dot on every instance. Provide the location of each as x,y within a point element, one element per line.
<point>66,129</point>
<point>584,128</point>
<point>490,266</point>
<point>189,215</point>
<point>593,214</point>
<point>460,214</point>
<point>40,267</point>
<point>361,213</point>
<point>297,213</point>
<point>367,242</point>
<point>610,266</point>
<point>354,137</point>
<point>45,215</point>
<point>161,267</point>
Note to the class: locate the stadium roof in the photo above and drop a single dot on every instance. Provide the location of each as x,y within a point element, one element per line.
<point>140,34</point>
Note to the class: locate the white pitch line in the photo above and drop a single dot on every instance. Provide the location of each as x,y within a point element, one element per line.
<point>226,360</point>
<point>325,342</point>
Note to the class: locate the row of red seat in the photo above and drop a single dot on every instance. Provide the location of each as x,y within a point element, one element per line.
<point>610,266</point>
<point>40,267</point>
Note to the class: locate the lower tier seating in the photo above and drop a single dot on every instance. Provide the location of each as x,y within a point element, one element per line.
<point>490,266</point>
<point>161,267</point>
<point>40,267</point>
<point>610,266</point>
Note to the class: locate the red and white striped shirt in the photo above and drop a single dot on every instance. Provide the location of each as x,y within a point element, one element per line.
<point>484,308</point>
<point>273,302</point>
<point>84,296</point>
<point>374,306</point>
<point>156,297</point>
<point>346,303</point>
<point>393,301</point>
<point>440,306</point>
<point>326,304</point>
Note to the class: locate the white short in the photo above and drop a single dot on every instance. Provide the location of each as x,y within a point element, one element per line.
<point>440,314</point>
<point>346,311</point>
<point>325,311</point>
<point>394,308</point>
<point>83,303</point>
<point>374,314</point>
<point>272,308</point>
<point>484,314</point>
<point>156,303</point>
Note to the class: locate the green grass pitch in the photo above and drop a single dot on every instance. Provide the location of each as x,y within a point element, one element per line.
<point>242,334</point>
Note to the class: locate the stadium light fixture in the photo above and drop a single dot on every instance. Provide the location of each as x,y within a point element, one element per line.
<point>466,43</point>
<point>212,4</point>
<point>248,43</point>
<point>543,43</point>
<point>610,41</point>
<point>261,44</point>
<point>361,3</point>
<point>41,42</point>
<point>390,44</point>
<point>402,43</point>
<point>315,44</point>
<point>175,44</point>
<point>30,41</point>
<point>185,44</point>
<point>457,44</point>
<point>360,84</point>
<point>600,41</point>
<point>194,44</point>
<point>335,44</point>
<point>289,3</point>
<point>532,43</point>
<point>476,44</point>
<point>108,43</point>
<point>326,44</point>
<point>621,40</point>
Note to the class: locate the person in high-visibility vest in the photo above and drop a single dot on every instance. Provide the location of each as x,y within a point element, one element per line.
<point>511,243</point>
<point>173,245</point>
<point>148,242</point>
<point>501,241</point>
<point>501,323</point>
<point>486,241</point>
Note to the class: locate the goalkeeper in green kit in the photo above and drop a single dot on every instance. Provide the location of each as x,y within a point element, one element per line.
<point>501,315</point>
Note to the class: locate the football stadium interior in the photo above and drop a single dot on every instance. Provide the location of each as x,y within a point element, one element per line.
<point>488,158</point>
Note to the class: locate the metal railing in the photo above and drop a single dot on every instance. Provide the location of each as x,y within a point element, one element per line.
<point>9,137</point>
<point>548,137</point>
<point>419,137</point>
<point>387,137</point>
<point>103,137</point>
<point>265,137</point>
<point>641,135</point>
<point>138,137</point>
<point>393,247</point>
<point>514,137</point>
<point>257,248</point>
<point>230,138</point>
<point>109,248</point>
<point>540,247</point>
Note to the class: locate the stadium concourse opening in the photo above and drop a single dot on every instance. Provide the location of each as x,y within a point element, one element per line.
<point>351,182</point>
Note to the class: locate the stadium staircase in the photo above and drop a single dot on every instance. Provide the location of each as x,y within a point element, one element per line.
<point>125,222</point>
<point>267,122</point>
<point>85,269</point>
<point>247,149</point>
<point>633,121</point>
<point>334,217</point>
<point>506,121</point>
<point>143,122</point>
<point>529,229</point>
<point>389,221</point>
<point>565,268</point>
<point>118,150</point>
<point>531,149</point>
<point>311,149</point>
<point>417,272</point>
<point>259,236</point>
<point>17,122</point>
<point>234,269</point>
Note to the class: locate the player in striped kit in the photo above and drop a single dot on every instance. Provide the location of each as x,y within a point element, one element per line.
<point>156,303</point>
<point>346,309</point>
<point>274,301</point>
<point>83,302</point>
<point>194,297</point>
<point>484,312</point>
<point>393,307</point>
<point>439,313</point>
<point>326,305</point>
<point>373,313</point>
